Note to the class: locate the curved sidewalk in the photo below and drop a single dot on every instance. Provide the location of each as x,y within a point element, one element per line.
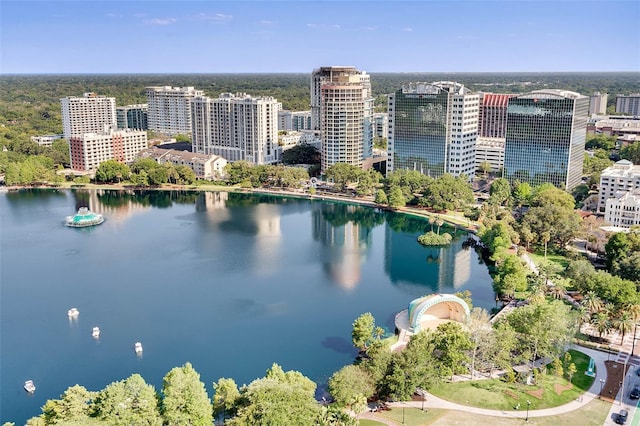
<point>601,372</point>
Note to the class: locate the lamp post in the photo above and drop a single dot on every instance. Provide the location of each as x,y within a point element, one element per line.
<point>601,385</point>
<point>609,353</point>
<point>528,404</point>
<point>633,348</point>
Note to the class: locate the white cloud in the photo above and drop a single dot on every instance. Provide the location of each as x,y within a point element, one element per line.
<point>266,22</point>
<point>407,29</point>
<point>369,28</point>
<point>216,18</point>
<point>160,21</point>
<point>324,27</point>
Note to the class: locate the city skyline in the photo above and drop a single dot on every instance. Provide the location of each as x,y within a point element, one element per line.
<point>287,36</point>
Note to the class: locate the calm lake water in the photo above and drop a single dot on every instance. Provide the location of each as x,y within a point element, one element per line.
<point>228,282</point>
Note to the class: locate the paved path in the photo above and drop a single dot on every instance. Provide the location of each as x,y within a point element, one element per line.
<point>599,357</point>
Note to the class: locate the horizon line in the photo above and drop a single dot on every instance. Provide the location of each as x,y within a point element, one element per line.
<point>309,72</point>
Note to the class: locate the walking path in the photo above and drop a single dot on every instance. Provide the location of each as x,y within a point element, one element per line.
<point>599,357</point>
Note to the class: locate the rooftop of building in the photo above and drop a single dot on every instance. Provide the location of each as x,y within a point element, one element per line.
<point>552,94</point>
<point>133,106</point>
<point>172,154</point>
<point>490,142</point>
<point>628,198</point>
<point>621,168</point>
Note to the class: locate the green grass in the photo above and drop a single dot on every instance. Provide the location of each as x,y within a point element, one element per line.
<point>592,414</point>
<point>367,422</point>
<point>538,258</point>
<point>412,416</point>
<point>498,395</point>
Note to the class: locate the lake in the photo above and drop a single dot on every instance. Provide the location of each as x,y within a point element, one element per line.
<point>229,282</point>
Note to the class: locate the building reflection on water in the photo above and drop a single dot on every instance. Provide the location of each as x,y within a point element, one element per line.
<point>116,206</point>
<point>345,234</point>
<point>412,270</point>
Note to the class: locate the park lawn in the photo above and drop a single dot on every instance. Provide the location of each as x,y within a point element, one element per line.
<point>368,422</point>
<point>592,414</point>
<point>498,395</point>
<point>412,416</point>
<point>538,259</point>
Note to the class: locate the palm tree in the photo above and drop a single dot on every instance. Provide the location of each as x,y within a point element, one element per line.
<point>584,316</point>
<point>601,323</point>
<point>624,323</point>
<point>558,290</point>
<point>439,222</point>
<point>545,237</point>
<point>432,220</point>
<point>634,310</point>
<point>592,302</point>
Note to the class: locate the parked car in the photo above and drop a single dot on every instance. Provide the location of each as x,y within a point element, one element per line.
<point>621,418</point>
<point>635,393</point>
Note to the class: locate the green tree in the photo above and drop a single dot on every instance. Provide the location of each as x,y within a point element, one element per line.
<point>623,322</point>
<point>127,402</point>
<point>571,371</point>
<point>631,152</point>
<point>522,193</point>
<point>278,399</point>
<point>112,171</point>
<point>225,397</point>
<point>301,154</point>
<point>186,176</point>
<point>485,167</point>
<point>350,382</point>
<point>544,329</point>
<point>500,192</point>
<point>238,172</point>
<point>362,332</point>
<point>451,344</point>
<point>511,276</point>
<point>381,198</point>
<point>185,400</point>
<point>74,406</point>
<point>342,174</point>
<point>479,329</point>
<point>396,197</point>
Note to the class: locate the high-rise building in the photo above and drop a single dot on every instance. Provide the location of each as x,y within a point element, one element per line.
<point>546,133</point>
<point>90,113</point>
<point>628,104</point>
<point>237,127</point>
<point>342,109</point>
<point>492,122</point>
<point>598,103</point>
<point>623,176</point>
<point>88,150</point>
<point>381,125</point>
<point>169,108</point>
<point>433,128</point>
<point>132,116</point>
<point>294,120</point>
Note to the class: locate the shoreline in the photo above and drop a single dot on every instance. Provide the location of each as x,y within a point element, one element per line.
<point>454,221</point>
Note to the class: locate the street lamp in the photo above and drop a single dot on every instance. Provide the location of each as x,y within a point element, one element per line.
<point>609,353</point>
<point>528,404</point>
<point>601,385</point>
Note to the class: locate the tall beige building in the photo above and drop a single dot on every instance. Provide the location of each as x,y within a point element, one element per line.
<point>169,108</point>
<point>88,150</point>
<point>342,109</point>
<point>90,113</point>
<point>237,127</point>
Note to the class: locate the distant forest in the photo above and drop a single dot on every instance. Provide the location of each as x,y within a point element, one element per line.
<point>30,104</point>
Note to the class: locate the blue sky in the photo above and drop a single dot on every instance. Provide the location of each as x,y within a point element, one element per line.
<point>296,36</point>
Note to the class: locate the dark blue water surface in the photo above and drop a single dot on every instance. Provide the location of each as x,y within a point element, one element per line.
<point>228,282</point>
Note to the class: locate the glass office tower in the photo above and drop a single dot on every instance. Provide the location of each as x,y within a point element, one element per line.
<point>433,128</point>
<point>546,132</point>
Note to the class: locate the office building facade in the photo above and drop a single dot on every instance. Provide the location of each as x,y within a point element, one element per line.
<point>433,128</point>
<point>87,114</point>
<point>90,149</point>
<point>623,210</point>
<point>598,103</point>
<point>545,138</point>
<point>132,116</point>
<point>169,108</point>
<point>492,122</point>
<point>237,127</point>
<point>628,104</point>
